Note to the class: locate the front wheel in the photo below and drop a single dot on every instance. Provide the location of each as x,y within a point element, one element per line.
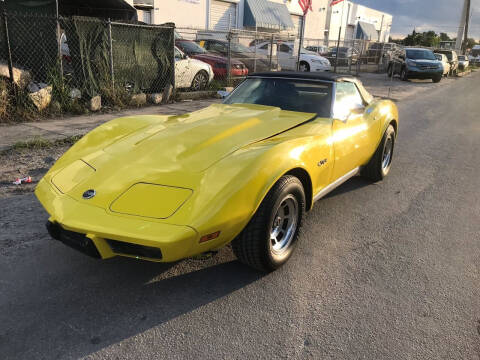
<point>403,75</point>
<point>200,81</point>
<point>268,241</point>
<point>381,162</point>
<point>437,79</point>
<point>304,66</point>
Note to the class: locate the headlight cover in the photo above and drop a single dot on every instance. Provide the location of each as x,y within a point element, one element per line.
<point>151,200</point>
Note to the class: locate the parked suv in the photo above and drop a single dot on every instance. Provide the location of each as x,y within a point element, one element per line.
<point>415,63</point>
<point>452,59</point>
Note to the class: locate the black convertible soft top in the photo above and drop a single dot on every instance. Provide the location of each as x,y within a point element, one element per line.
<point>324,76</point>
<point>320,76</point>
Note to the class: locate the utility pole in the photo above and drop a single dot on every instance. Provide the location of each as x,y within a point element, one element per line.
<point>461,28</point>
<point>467,22</point>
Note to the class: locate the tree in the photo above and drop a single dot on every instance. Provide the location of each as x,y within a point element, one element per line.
<point>470,43</point>
<point>444,37</point>
<point>427,38</point>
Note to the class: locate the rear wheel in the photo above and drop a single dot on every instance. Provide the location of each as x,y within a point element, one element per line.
<point>200,81</point>
<point>268,241</point>
<point>381,162</point>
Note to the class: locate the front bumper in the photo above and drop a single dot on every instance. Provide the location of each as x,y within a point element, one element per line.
<point>416,73</point>
<point>102,234</point>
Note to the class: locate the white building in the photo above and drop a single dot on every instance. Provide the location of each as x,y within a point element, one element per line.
<point>355,21</point>
<point>323,22</point>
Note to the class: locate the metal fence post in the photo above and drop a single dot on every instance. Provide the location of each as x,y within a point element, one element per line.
<point>110,51</point>
<point>174,88</point>
<point>59,41</point>
<point>271,53</point>
<point>229,58</point>
<point>255,53</point>
<point>7,42</point>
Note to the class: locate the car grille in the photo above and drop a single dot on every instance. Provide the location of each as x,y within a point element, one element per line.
<point>428,67</point>
<point>73,239</point>
<point>120,247</point>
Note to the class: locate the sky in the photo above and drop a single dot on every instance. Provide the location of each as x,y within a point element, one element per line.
<point>424,15</point>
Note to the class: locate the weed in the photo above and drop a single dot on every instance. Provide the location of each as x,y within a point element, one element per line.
<point>39,142</point>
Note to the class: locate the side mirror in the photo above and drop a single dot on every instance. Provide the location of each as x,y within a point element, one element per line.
<point>359,110</point>
<point>345,115</point>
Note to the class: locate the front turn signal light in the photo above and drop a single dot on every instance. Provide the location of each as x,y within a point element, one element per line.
<point>209,237</point>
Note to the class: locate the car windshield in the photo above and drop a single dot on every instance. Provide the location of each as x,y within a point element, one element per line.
<point>461,58</point>
<point>240,48</point>
<point>191,48</point>
<point>287,94</point>
<point>448,54</point>
<point>420,54</point>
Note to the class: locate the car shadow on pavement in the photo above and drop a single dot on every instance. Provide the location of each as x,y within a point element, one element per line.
<point>81,305</point>
<point>353,184</point>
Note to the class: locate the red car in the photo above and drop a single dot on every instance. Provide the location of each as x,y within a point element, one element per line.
<point>218,63</point>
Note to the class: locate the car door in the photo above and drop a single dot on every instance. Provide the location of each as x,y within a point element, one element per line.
<point>355,128</point>
<point>182,78</point>
<point>285,57</point>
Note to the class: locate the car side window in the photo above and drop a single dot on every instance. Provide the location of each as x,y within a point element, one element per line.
<point>178,55</point>
<point>284,48</point>
<point>264,47</point>
<point>347,98</point>
<point>219,47</point>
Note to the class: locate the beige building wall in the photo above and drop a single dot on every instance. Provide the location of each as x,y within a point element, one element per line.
<point>184,13</point>
<point>382,21</point>
<point>316,21</point>
<point>352,14</point>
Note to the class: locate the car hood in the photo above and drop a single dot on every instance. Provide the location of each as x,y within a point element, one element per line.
<point>312,57</point>
<point>199,63</point>
<point>173,151</point>
<point>213,57</point>
<point>197,140</point>
<point>426,62</point>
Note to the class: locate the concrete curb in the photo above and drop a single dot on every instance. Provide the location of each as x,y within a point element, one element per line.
<point>195,95</point>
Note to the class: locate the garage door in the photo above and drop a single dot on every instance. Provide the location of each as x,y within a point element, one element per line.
<point>223,15</point>
<point>297,23</point>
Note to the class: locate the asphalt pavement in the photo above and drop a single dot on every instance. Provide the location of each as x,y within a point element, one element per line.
<point>383,271</point>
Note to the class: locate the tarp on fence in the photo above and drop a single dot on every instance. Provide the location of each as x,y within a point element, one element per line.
<point>142,55</point>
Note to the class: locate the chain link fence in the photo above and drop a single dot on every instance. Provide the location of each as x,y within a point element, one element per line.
<point>234,54</point>
<point>72,64</point>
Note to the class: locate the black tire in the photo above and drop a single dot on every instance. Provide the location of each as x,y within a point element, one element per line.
<point>306,67</point>
<point>403,74</point>
<point>200,81</point>
<point>437,79</point>
<point>378,167</point>
<point>254,246</point>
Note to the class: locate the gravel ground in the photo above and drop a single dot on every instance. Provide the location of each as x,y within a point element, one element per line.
<point>26,162</point>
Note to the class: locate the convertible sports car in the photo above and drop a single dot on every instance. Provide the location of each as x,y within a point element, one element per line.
<point>164,188</point>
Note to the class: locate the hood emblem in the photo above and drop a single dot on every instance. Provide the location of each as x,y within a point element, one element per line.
<point>89,194</point>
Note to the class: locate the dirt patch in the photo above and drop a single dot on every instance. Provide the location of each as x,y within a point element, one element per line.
<point>22,162</point>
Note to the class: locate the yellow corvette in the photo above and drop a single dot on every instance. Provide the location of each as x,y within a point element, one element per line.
<point>164,188</point>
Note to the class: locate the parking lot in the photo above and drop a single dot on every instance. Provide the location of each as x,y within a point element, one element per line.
<point>384,270</point>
